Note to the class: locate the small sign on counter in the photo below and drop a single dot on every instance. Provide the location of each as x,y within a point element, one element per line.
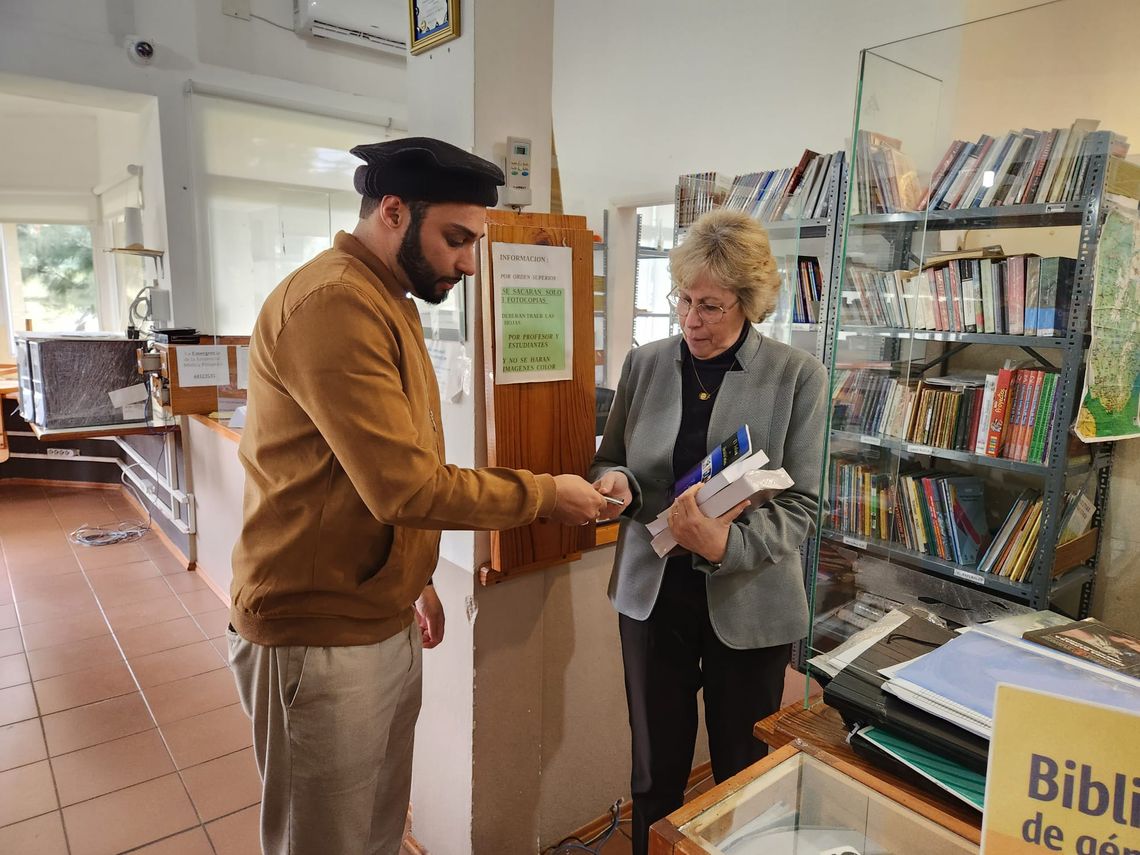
<point>203,365</point>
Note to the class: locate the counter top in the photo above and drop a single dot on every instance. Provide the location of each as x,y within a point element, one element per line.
<point>219,426</point>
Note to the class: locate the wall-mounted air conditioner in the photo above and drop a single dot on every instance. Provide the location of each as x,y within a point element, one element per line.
<point>376,24</point>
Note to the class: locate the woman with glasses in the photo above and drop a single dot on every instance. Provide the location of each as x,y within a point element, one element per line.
<point>720,613</point>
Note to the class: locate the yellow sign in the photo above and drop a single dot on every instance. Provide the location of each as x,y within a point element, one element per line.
<point>1064,776</point>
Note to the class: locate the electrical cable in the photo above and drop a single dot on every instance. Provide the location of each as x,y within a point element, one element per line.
<point>594,846</point>
<point>130,530</point>
<point>271,23</point>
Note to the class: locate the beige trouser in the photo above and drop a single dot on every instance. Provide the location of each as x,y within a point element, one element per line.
<point>332,730</point>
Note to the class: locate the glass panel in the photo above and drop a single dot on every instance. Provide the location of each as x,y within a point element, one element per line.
<point>956,357</point>
<point>803,805</point>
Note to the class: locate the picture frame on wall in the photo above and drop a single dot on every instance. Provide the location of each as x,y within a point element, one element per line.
<point>432,22</point>
<point>446,321</point>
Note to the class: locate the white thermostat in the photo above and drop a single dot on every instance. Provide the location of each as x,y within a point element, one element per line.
<point>516,193</point>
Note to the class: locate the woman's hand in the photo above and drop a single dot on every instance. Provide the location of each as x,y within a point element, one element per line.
<point>615,485</point>
<point>701,535</point>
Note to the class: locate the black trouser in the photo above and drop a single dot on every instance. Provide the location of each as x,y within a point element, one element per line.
<point>668,658</point>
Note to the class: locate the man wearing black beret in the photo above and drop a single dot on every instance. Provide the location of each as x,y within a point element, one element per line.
<point>346,492</point>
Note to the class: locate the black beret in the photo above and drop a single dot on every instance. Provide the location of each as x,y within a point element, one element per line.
<point>427,170</point>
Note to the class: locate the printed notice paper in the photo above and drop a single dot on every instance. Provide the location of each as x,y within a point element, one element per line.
<point>1064,776</point>
<point>203,365</point>
<point>534,340</point>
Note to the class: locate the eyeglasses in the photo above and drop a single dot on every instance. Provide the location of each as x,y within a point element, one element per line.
<point>708,314</point>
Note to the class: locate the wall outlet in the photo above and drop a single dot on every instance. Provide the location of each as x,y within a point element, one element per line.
<point>63,452</point>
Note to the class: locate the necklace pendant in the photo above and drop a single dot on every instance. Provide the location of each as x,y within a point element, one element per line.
<point>704,396</point>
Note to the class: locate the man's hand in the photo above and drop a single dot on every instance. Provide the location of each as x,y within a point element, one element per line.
<point>577,501</point>
<point>615,485</point>
<point>429,615</point>
<point>697,533</point>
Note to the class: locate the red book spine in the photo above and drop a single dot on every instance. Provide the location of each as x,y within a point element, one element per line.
<point>975,419</point>
<point>941,314</point>
<point>1015,294</point>
<point>999,415</point>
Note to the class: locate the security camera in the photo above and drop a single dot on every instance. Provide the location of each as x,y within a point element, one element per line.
<point>140,50</point>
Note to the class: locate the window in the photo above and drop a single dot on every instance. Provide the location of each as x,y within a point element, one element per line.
<point>276,187</point>
<point>50,275</point>
<point>652,315</point>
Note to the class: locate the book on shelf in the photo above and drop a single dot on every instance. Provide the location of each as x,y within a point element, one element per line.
<point>699,193</point>
<point>1094,642</point>
<point>795,192</point>
<point>1078,515</point>
<point>757,486</point>
<point>1023,167</point>
<point>806,284</point>
<point>1004,415</point>
<point>983,292</point>
<point>886,178</point>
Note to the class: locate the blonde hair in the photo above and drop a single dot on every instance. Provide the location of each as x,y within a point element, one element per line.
<point>733,249</point>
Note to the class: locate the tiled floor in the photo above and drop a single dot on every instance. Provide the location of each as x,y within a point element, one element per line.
<point>120,729</point>
<point>119,724</point>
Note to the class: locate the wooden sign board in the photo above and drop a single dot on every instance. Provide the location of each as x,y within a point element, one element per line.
<point>543,426</point>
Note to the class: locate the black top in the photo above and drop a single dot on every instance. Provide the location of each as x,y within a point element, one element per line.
<point>692,444</point>
<point>692,439</point>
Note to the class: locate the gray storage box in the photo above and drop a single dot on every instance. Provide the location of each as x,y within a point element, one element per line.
<point>69,378</point>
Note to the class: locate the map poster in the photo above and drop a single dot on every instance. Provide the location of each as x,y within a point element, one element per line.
<point>1112,381</point>
<point>534,341</point>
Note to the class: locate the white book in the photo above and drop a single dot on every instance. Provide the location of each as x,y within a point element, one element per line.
<point>926,299</point>
<point>715,484</point>
<point>984,416</point>
<point>758,486</point>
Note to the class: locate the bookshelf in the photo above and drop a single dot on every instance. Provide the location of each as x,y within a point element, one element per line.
<point>868,472</point>
<point>794,238</point>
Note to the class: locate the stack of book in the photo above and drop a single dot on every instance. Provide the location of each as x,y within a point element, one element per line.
<point>1009,414</point>
<point>943,516</point>
<point>698,194</point>
<point>1023,167</point>
<point>978,291</point>
<point>1011,553</point>
<point>730,474</point>
<point>810,200</point>
<point>808,291</point>
<point>886,181</point>
<point>796,192</point>
<point>861,498</point>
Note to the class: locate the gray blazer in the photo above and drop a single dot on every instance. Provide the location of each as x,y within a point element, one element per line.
<point>756,597</point>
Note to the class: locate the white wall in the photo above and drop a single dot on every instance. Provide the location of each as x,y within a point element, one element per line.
<point>646,91</point>
<point>81,42</point>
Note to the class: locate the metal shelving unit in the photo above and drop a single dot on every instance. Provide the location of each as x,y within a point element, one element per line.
<point>901,231</point>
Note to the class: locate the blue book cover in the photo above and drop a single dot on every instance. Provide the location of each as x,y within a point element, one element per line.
<point>967,670</point>
<point>969,529</point>
<point>736,447</point>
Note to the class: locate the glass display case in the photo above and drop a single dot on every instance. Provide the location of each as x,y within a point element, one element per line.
<point>799,800</point>
<point>959,330</point>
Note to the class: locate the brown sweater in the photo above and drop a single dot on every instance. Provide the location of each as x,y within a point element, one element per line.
<point>346,486</point>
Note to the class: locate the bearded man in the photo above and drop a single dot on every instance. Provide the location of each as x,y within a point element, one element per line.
<point>347,488</point>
